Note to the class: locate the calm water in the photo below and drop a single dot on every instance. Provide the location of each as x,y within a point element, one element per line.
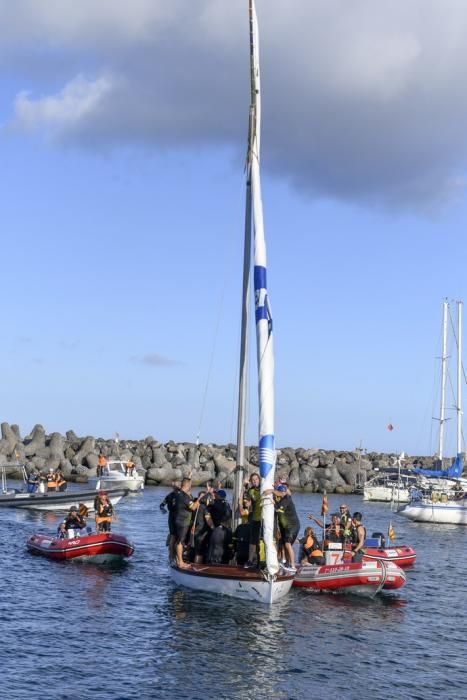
<point>76,630</point>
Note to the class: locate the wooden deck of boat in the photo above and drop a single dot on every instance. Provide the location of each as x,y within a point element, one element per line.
<point>228,571</point>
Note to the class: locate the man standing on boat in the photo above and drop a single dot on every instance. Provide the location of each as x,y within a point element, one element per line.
<point>184,505</point>
<point>169,503</point>
<point>358,549</point>
<point>254,495</point>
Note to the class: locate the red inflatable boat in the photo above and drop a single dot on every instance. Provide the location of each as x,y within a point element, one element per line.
<point>366,578</point>
<point>101,548</point>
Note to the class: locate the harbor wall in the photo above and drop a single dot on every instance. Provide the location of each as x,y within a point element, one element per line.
<point>306,469</point>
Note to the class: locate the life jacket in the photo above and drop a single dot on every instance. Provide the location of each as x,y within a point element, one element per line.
<point>102,461</point>
<point>312,548</point>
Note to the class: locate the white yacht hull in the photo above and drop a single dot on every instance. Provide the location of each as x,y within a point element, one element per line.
<point>443,513</point>
<point>115,482</point>
<point>257,589</point>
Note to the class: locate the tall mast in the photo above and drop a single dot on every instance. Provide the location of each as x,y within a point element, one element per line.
<point>264,338</point>
<point>442,410</point>
<point>243,373</point>
<point>459,377</point>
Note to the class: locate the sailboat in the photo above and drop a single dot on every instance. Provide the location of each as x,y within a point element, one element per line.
<point>446,502</point>
<point>271,583</point>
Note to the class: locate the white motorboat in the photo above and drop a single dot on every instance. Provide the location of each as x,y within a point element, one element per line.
<point>445,508</point>
<point>117,474</point>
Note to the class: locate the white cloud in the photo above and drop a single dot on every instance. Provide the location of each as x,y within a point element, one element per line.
<point>362,101</point>
<point>79,100</point>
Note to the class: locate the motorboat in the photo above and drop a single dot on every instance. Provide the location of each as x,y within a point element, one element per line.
<point>444,508</point>
<point>389,488</point>
<point>376,549</point>
<point>100,548</point>
<point>235,581</point>
<point>56,500</point>
<point>116,474</point>
<point>366,578</point>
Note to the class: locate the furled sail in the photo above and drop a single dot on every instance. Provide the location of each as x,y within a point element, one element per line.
<point>263,316</point>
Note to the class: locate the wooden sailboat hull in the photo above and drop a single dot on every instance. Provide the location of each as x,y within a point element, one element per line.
<point>234,581</point>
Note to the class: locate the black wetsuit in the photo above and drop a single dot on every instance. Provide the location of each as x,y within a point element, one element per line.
<point>201,529</point>
<point>220,542</point>
<point>74,522</point>
<point>182,515</point>
<point>170,502</point>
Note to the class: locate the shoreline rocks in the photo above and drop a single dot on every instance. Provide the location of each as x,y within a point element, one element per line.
<point>307,469</point>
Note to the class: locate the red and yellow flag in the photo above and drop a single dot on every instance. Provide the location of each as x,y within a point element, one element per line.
<point>391,532</point>
<point>324,505</point>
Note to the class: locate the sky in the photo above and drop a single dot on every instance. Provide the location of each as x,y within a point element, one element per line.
<point>123,138</point>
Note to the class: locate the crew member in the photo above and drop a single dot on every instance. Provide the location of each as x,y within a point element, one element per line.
<point>169,504</point>
<point>288,522</point>
<point>104,513</point>
<point>32,481</point>
<point>101,464</point>
<point>254,494</point>
<point>358,549</point>
<point>184,505</point>
<point>129,467</point>
<point>219,518</point>
<point>51,480</point>
<point>74,521</point>
<point>311,552</point>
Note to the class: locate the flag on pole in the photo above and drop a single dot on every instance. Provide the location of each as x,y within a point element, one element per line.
<point>324,505</point>
<point>391,532</point>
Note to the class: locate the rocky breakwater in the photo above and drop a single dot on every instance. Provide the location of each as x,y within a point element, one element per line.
<point>311,470</point>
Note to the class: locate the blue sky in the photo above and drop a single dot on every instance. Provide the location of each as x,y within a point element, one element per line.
<point>122,193</point>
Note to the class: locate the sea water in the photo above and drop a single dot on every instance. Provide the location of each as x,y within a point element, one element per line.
<point>71,630</point>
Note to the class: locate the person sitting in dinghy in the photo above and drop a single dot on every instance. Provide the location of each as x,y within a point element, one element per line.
<point>358,549</point>
<point>74,521</point>
<point>310,551</point>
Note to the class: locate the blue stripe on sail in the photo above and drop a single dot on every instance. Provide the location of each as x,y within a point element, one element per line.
<point>263,311</point>
<point>267,453</point>
<point>260,277</point>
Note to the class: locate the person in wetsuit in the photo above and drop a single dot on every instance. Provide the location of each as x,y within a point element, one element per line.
<point>169,504</point>
<point>288,523</point>
<point>220,519</point>
<point>184,505</point>
<point>200,528</point>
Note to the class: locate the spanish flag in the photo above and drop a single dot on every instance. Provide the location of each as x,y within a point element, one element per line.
<point>324,505</point>
<point>83,511</point>
<point>391,532</point>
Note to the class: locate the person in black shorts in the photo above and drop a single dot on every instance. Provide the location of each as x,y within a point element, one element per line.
<point>288,522</point>
<point>168,504</point>
<point>184,505</point>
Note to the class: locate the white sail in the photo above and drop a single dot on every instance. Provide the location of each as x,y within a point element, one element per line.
<point>267,450</point>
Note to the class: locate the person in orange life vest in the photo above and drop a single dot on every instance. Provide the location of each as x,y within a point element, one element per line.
<point>101,464</point>
<point>311,552</point>
<point>129,467</point>
<point>104,513</point>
